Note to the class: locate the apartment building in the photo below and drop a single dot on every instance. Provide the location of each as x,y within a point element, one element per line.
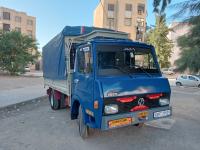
<point>122,15</point>
<point>177,29</point>
<point>14,20</point>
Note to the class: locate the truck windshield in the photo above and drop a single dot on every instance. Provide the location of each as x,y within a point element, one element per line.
<point>128,60</point>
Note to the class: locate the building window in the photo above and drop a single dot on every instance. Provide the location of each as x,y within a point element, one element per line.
<point>18,19</point>
<point>128,7</point>
<point>141,9</point>
<point>18,29</point>
<point>140,22</point>
<point>128,21</point>
<point>111,16</point>
<point>128,15</point>
<point>30,33</point>
<point>111,7</point>
<point>30,22</point>
<point>6,27</point>
<point>111,23</point>
<point>6,15</point>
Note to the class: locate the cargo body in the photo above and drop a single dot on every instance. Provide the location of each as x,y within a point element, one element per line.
<point>107,80</point>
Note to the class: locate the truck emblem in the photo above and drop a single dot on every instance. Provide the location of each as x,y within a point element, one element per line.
<point>112,93</point>
<point>141,101</point>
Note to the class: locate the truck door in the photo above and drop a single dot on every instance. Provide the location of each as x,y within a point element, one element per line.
<point>83,76</point>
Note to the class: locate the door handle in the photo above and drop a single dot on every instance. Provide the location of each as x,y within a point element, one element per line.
<point>76,81</point>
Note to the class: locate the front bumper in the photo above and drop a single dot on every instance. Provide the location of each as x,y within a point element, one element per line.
<point>134,116</point>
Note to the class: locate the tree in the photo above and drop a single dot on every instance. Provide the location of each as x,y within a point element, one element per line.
<point>158,38</point>
<point>16,51</point>
<point>190,48</point>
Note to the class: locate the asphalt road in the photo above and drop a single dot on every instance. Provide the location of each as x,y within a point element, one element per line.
<point>36,127</point>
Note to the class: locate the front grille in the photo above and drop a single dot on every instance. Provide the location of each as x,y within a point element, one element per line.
<point>126,107</point>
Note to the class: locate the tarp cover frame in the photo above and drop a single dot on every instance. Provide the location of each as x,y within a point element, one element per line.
<point>54,63</point>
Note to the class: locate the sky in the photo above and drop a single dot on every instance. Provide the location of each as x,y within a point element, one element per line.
<point>53,15</point>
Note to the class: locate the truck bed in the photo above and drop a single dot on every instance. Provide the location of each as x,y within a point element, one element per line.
<point>59,85</point>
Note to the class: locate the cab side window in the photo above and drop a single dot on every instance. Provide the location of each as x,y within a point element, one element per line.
<point>84,59</point>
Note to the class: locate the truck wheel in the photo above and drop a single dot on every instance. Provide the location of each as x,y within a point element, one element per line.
<point>55,104</point>
<point>83,128</point>
<point>139,125</point>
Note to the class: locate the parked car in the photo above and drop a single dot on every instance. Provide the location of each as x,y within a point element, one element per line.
<point>198,76</point>
<point>188,80</point>
<point>167,71</point>
<point>27,69</point>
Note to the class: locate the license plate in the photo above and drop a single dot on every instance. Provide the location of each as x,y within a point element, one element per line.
<point>143,114</point>
<point>119,122</point>
<point>162,114</point>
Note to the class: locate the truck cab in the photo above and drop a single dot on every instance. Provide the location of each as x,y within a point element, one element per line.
<point>118,83</point>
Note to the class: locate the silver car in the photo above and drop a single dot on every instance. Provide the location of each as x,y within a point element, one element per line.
<point>167,71</point>
<point>188,80</point>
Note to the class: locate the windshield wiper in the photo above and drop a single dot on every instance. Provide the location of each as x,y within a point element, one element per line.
<point>141,68</point>
<point>123,71</point>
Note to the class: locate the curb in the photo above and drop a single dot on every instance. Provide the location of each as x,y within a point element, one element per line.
<point>26,76</point>
<point>20,104</point>
<point>30,76</point>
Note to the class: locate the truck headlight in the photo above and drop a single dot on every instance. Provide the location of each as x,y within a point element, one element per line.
<point>111,109</point>
<point>163,101</point>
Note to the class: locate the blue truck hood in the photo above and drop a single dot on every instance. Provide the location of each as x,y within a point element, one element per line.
<point>112,87</point>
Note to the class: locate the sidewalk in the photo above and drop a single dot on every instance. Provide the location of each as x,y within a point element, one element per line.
<point>15,90</point>
<point>34,74</point>
<point>14,96</point>
<point>172,82</point>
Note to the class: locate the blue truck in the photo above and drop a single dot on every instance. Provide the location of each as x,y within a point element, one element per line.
<point>107,80</point>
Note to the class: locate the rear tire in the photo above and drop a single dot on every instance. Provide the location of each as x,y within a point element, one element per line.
<point>83,128</point>
<point>55,104</point>
<point>199,86</point>
<point>178,84</point>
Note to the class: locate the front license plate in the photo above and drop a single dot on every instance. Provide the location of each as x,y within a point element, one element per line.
<point>143,114</point>
<point>162,114</point>
<point>119,122</point>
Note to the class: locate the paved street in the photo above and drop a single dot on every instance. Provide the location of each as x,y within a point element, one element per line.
<point>35,126</point>
<point>19,89</point>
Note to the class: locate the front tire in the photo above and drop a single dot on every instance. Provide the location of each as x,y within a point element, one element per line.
<point>83,128</point>
<point>55,104</point>
<point>139,125</point>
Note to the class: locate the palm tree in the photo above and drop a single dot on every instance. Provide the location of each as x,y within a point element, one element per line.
<point>187,9</point>
<point>160,5</point>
